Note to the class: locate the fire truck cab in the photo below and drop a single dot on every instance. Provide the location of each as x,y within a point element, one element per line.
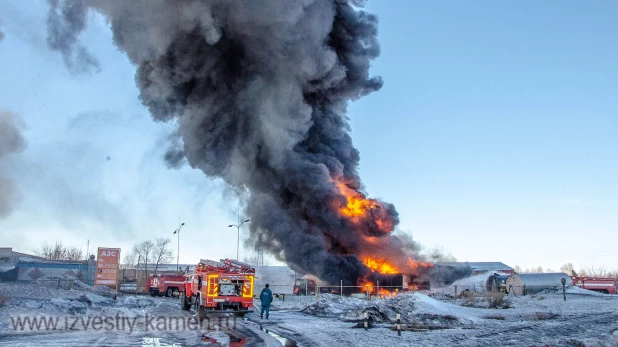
<point>219,287</point>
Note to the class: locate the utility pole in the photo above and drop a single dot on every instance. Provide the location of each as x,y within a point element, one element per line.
<point>238,234</point>
<point>177,231</point>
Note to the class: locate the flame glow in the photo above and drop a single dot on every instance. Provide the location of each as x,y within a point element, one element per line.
<point>382,292</point>
<point>380,265</point>
<point>368,286</point>
<point>415,265</point>
<point>358,208</point>
<point>357,204</point>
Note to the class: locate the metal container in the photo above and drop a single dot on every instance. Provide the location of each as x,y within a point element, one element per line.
<point>530,283</point>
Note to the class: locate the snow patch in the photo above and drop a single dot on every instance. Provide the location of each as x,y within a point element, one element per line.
<point>425,304</point>
<point>156,342</point>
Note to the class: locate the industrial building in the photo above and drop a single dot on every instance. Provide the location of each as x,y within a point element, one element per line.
<point>482,267</point>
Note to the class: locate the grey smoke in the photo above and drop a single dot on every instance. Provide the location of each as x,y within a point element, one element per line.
<point>11,142</point>
<point>259,91</point>
<point>65,21</point>
<point>449,273</point>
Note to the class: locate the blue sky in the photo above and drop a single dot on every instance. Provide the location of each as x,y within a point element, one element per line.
<point>494,136</point>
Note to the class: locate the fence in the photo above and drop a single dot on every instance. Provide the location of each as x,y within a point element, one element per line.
<point>457,290</point>
<point>367,291</point>
<point>285,292</point>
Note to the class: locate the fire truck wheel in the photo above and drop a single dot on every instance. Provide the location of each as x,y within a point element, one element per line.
<point>169,292</point>
<point>198,308</point>
<point>183,302</point>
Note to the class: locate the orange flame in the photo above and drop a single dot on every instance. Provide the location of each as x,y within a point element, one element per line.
<point>359,207</point>
<point>380,265</point>
<point>368,286</point>
<point>384,293</point>
<point>357,204</point>
<point>417,264</point>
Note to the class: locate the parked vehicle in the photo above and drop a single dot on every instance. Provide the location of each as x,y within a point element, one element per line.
<point>602,285</point>
<point>165,284</point>
<point>219,287</point>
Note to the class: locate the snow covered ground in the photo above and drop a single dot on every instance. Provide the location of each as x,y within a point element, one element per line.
<point>584,319</point>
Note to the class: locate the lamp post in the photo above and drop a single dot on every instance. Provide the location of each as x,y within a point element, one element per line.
<point>238,237</point>
<point>177,231</point>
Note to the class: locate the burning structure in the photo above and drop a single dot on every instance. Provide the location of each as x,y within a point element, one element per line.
<point>258,91</point>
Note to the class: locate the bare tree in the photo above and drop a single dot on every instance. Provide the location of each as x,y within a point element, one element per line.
<point>538,269</point>
<point>600,271</point>
<point>74,253</point>
<point>129,260</point>
<point>568,269</point>
<point>517,269</point>
<point>45,251</point>
<point>59,252</point>
<point>144,252</point>
<point>162,253</point>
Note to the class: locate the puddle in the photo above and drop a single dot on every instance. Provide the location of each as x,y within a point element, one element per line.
<point>284,340</point>
<point>225,339</point>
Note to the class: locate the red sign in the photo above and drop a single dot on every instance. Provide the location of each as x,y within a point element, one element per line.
<point>108,261</point>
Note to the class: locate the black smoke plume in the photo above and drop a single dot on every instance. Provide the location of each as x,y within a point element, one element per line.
<point>259,91</point>
<point>11,142</point>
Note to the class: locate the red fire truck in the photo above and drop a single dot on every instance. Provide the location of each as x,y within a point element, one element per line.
<point>225,286</point>
<point>165,284</point>
<point>602,285</point>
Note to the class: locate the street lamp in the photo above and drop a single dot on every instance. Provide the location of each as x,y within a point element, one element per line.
<point>238,240</point>
<point>177,231</point>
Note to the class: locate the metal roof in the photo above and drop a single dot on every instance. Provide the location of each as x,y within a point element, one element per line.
<point>165,267</point>
<point>480,266</point>
<point>5,268</point>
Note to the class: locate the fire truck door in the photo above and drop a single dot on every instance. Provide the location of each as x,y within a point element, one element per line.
<point>199,282</point>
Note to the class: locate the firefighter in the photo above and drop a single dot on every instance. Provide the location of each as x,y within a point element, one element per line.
<point>266,297</point>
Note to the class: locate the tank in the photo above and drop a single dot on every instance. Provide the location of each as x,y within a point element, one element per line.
<point>521,284</point>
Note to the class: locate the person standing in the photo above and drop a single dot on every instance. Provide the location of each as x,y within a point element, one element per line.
<point>266,297</point>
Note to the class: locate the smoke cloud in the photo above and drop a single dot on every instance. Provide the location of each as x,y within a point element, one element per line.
<point>11,141</point>
<point>259,91</point>
<point>65,22</point>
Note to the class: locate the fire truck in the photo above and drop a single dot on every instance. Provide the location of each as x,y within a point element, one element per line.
<point>225,286</point>
<point>602,285</point>
<point>165,284</point>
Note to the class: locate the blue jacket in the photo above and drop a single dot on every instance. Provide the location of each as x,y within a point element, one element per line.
<point>266,296</point>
